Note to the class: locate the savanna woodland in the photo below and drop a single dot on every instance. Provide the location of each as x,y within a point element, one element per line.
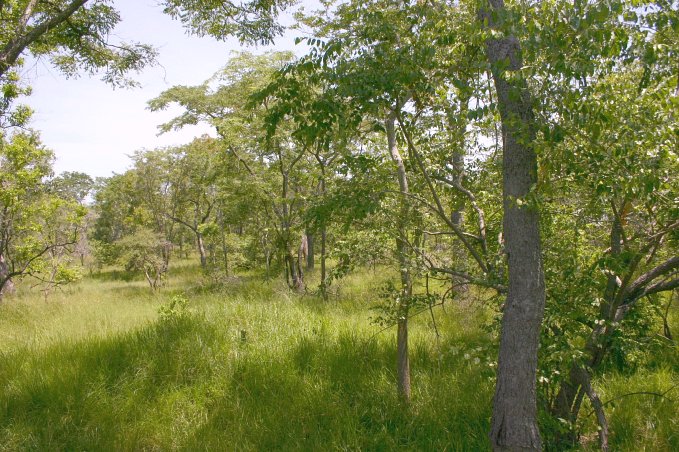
<point>442,226</point>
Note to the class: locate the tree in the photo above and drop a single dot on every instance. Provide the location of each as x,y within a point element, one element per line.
<point>36,227</point>
<point>514,423</point>
<point>74,34</point>
<point>144,251</point>
<point>195,170</point>
<point>75,186</point>
<point>629,229</point>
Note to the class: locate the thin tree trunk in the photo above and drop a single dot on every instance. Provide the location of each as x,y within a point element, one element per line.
<point>514,423</point>
<point>301,259</point>
<point>458,124</point>
<point>287,271</point>
<point>403,365</point>
<point>310,251</point>
<point>201,250</point>
<point>324,288</point>
<point>222,236</point>
<point>225,253</point>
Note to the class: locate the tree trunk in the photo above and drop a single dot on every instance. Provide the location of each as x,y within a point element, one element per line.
<point>296,280</point>
<point>287,271</point>
<point>324,289</point>
<point>301,259</point>
<point>201,250</point>
<point>514,424</point>
<point>403,365</point>
<point>324,283</point>
<point>458,125</point>
<point>310,251</point>
<point>6,284</point>
<point>225,253</point>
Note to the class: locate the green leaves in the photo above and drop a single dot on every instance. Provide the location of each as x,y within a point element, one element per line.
<point>38,228</point>
<point>253,21</point>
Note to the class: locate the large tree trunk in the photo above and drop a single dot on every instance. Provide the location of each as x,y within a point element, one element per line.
<point>403,365</point>
<point>514,422</point>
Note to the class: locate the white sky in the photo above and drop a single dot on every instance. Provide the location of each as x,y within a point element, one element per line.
<point>91,127</point>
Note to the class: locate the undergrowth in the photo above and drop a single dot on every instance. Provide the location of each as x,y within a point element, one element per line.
<point>108,365</point>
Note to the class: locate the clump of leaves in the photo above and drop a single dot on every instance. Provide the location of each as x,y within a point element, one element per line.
<point>395,305</point>
<point>174,310</point>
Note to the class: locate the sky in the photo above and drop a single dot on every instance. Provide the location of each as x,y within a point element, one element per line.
<point>92,128</point>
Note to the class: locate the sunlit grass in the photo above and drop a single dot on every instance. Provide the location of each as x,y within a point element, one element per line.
<point>252,366</point>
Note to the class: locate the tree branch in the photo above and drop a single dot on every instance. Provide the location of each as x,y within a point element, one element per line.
<point>439,207</point>
<point>640,287</point>
<point>13,49</point>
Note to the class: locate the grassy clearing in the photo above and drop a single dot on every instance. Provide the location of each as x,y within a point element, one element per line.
<point>96,368</point>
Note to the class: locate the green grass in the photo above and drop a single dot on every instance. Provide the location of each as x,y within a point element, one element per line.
<point>96,368</point>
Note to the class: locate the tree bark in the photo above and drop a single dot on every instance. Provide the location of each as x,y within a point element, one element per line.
<point>514,424</point>
<point>301,259</point>
<point>403,365</point>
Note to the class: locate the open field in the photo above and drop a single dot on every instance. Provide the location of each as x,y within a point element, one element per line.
<point>251,367</point>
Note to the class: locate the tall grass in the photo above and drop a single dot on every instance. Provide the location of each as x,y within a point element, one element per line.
<point>252,367</point>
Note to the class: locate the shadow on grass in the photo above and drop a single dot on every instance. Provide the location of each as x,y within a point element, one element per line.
<point>339,392</point>
<point>189,384</point>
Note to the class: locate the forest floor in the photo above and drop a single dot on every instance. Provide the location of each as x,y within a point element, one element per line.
<point>107,365</point>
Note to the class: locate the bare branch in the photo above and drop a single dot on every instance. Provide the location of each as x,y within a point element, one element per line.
<point>472,200</point>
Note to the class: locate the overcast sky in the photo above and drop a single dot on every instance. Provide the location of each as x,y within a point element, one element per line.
<point>91,127</point>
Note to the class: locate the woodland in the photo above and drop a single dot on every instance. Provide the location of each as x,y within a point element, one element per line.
<point>445,226</point>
